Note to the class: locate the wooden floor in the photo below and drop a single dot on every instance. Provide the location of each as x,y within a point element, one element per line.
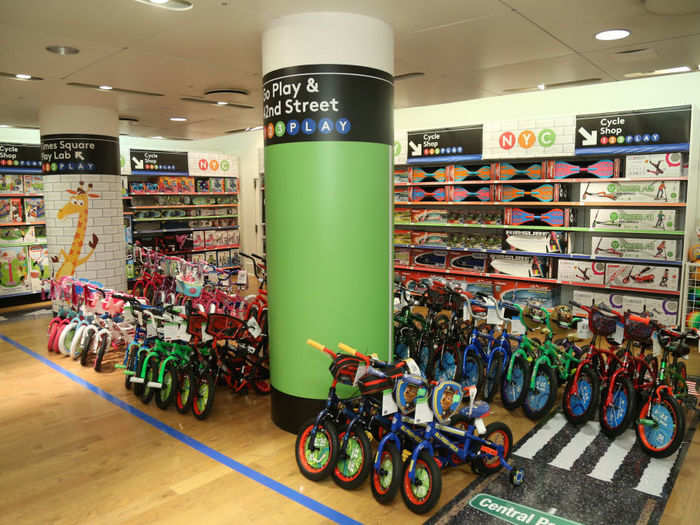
<point>69,456</point>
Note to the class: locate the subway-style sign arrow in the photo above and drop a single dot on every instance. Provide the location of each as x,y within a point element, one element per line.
<point>138,164</point>
<point>416,149</point>
<point>590,138</point>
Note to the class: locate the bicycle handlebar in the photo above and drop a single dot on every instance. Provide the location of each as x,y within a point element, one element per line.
<point>318,346</point>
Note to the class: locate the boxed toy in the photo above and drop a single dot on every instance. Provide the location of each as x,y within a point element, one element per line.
<point>401,195</point>
<point>635,248</point>
<point>199,257</point>
<point>198,239</point>
<point>137,188</point>
<point>224,258</point>
<point>518,266</point>
<point>429,238</point>
<point>641,276</point>
<point>11,183</point>
<point>11,210</point>
<point>523,192</point>
<point>168,185</point>
<point>663,311</point>
<point>537,241</point>
<point>201,185</point>
<point>658,220</point>
<point>429,194</point>
<point>523,293</point>
<point>19,234</point>
<point>34,183</point>
<point>211,258</point>
<point>210,238</point>
<point>661,191</point>
<point>429,174</point>
<point>13,269</point>
<point>474,262</point>
<point>585,169</point>
<point>654,165</point>
<point>216,185</point>
<point>462,173</point>
<point>469,193</point>
<point>402,175</point>
<point>231,184</point>
<point>520,170</point>
<point>586,272</point>
<point>421,216</point>
<point>39,266</point>
<point>402,237</point>
<point>539,216</point>
<point>34,209</point>
<point>429,258</point>
<point>402,256</point>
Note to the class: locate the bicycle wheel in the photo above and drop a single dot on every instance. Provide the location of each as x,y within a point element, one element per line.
<point>579,407</point>
<point>70,334</point>
<point>661,427</point>
<point>53,328</point>
<point>473,370</point>
<point>539,401</point>
<point>185,391</point>
<point>617,416</point>
<point>138,289</point>
<point>166,393</point>
<point>386,480</point>
<point>103,340</point>
<point>446,365</point>
<point>354,463</point>
<point>494,373</point>
<point>151,375</point>
<point>130,364</point>
<point>497,433</point>
<point>422,493</point>
<point>203,397</point>
<point>513,390</point>
<point>316,460</point>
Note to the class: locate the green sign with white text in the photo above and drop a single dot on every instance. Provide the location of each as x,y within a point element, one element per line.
<point>515,513</point>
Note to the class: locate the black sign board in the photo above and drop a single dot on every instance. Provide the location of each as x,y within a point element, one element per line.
<point>647,131</point>
<point>154,162</point>
<point>79,153</point>
<point>328,103</point>
<point>20,158</point>
<point>445,145</point>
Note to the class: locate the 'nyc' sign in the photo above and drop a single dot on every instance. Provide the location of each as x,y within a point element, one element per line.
<point>543,137</point>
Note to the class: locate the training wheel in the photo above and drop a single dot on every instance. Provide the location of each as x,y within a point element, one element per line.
<point>517,476</point>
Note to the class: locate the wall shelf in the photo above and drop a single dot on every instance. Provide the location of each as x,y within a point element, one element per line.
<point>540,228</point>
<point>550,204</point>
<point>479,182</point>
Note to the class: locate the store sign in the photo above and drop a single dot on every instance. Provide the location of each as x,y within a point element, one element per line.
<point>526,138</point>
<point>648,131</point>
<point>124,164</point>
<point>154,162</point>
<point>79,153</point>
<point>328,103</point>
<point>445,145</point>
<point>400,147</point>
<point>20,158</point>
<point>515,513</point>
<point>214,164</point>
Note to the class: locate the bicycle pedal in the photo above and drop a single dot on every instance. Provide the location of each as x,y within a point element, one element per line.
<point>129,372</point>
<point>119,366</point>
<point>154,384</point>
<point>136,379</point>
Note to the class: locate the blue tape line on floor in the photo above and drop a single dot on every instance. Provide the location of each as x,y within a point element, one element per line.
<point>270,483</point>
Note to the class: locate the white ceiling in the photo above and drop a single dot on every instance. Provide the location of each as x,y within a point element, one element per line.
<point>466,48</point>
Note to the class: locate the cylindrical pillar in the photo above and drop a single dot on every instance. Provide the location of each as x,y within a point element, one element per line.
<point>328,115</point>
<point>82,192</point>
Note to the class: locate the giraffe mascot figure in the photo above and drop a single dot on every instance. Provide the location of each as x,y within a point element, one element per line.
<point>77,204</point>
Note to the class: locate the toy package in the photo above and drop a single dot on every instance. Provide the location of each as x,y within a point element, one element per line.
<point>474,262</point>
<point>212,258</point>
<point>402,175</point>
<point>478,172</point>
<point>584,169</point>
<point>11,210</point>
<point>635,248</point>
<point>524,293</point>
<point>201,185</point>
<point>661,191</point>
<point>34,209</point>
<point>522,192</point>
<point>537,241</point>
<point>421,216</point>
<point>21,235</point>
<point>657,220</point>
<point>521,170</point>
<point>402,256</point>
<point>429,194</point>
<point>654,165</point>
<point>518,266</point>
<point>585,272</point>
<point>216,185</point>
<point>210,238</point>
<point>429,238</point>
<point>469,193</point>
<point>13,269</point>
<point>186,184</point>
<point>39,266</point>
<point>34,183</point>
<point>663,311</point>
<point>11,183</point>
<point>224,258</point>
<point>641,276</point>
<point>538,216</point>
<point>231,185</point>
<point>197,239</point>
<point>402,237</point>
<point>429,258</point>
<point>429,174</point>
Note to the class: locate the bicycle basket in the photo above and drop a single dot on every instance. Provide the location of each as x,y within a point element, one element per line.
<point>602,324</point>
<point>445,399</point>
<point>194,325</point>
<point>222,324</point>
<point>408,390</point>
<point>344,368</point>
<point>637,330</point>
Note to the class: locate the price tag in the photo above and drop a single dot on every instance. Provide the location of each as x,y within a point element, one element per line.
<point>423,413</point>
<point>170,332</point>
<point>656,345</point>
<point>254,327</point>
<point>492,317</point>
<point>182,334</point>
<point>413,367</point>
<point>516,326</point>
<point>388,403</point>
<point>361,371</point>
<point>205,336</point>
<point>619,334</point>
<point>466,314</point>
<point>480,427</point>
<point>242,278</point>
<point>582,330</point>
<point>151,329</point>
<point>139,316</point>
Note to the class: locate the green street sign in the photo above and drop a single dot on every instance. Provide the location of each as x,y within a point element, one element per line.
<point>515,513</point>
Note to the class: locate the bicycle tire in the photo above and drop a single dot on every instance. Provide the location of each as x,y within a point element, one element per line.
<point>202,403</point>
<point>315,466</point>
<point>103,340</point>
<point>492,378</point>
<point>185,391</point>
<point>446,364</point>
<point>130,363</point>
<point>472,370</point>
<point>387,480</point>
<point>151,375</point>
<point>616,417</point>
<point>513,391</point>
<point>539,403</point>
<point>355,463</point>
<point>416,496</point>
<point>661,441</point>
<point>495,431</point>
<point>580,407</point>
<point>165,395</point>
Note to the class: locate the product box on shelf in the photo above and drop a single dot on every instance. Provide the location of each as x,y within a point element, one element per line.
<point>199,257</point>
<point>216,185</point>
<point>475,217</point>
<point>168,185</point>
<point>661,278</point>
<point>657,220</point>
<point>198,239</point>
<point>521,170</point>
<point>14,270</point>
<point>523,292</point>
<point>587,298</point>
<point>634,248</point>
<point>402,256</point>
<point>663,311</point>
<point>654,165</point>
<point>22,234</point>
<point>429,238</point>
<point>231,185</point>
<point>428,194</point>
<point>11,210</point>
<point>527,192</point>
<point>402,216</point>
<point>655,191</point>
<point>211,258</point>
<point>583,169</point>
<point>33,183</point>
<point>402,237</point>
<point>11,183</point>
<point>483,172</point>
<point>473,262</point>
<point>434,216</point>
<point>402,175</point>
<point>585,272</point>
<point>518,266</point>
<point>471,240</point>
<point>401,194</point>
<point>223,258</point>
<point>210,238</point>
<point>202,185</point>
<point>39,266</point>
<point>538,216</point>
<point>137,188</point>
<point>429,258</point>
<point>537,241</point>
<point>433,174</point>
<point>34,209</point>
<point>459,193</point>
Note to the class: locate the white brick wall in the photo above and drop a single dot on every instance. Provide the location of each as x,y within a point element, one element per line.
<point>563,127</point>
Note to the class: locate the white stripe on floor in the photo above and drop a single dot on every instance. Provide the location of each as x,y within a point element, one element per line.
<point>574,448</point>
<point>655,475</point>
<point>612,459</point>
<point>540,438</point>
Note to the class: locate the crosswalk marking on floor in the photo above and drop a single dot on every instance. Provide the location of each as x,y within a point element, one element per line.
<point>612,459</point>
<point>655,475</point>
<point>540,438</point>
<point>575,448</point>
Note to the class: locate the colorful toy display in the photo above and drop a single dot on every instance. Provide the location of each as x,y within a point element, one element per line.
<point>581,271</point>
<point>13,268</point>
<point>603,169</point>
<point>661,191</point>
<point>438,194</point>
<point>635,248</point>
<point>508,171</point>
<point>654,165</point>
<point>518,216</point>
<point>544,193</point>
<point>641,276</point>
<point>462,173</point>
<point>429,175</point>
<point>463,193</point>
<point>658,220</point>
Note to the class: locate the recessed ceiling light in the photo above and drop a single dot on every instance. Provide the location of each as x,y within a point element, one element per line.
<point>222,103</point>
<point>63,50</point>
<point>105,87</point>
<point>256,128</point>
<point>4,125</point>
<point>540,86</point>
<point>173,5</point>
<point>159,1</point>
<point>667,71</point>
<point>157,137</point>
<point>612,34</point>
<point>23,76</point>
<point>178,119</point>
